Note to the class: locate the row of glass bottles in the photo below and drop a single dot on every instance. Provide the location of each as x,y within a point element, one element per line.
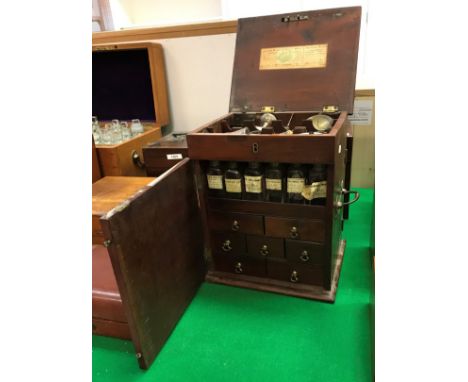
<point>116,131</point>
<point>272,182</point>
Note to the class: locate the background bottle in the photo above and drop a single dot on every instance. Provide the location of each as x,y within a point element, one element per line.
<point>96,131</point>
<point>253,180</point>
<point>116,132</point>
<point>214,177</point>
<point>295,183</point>
<point>126,133</point>
<point>233,181</point>
<point>136,127</point>
<point>274,183</point>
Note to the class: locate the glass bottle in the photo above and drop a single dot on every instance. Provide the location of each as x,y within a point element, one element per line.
<point>214,176</point>
<point>96,131</point>
<point>317,180</point>
<point>106,134</point>
<point>233,181</point>
<point>116,132</point>
<point>295,183</point>
<point>253,180</point>
<point>126,133</point>
<point>274,183</point>
<point>136,127</point>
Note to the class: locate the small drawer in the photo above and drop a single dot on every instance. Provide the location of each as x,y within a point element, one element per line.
<point>298,229</point>
<point>234,222</point>
<point>240,265</point>
<point>228,242</point>
<point>262,246</point>
<point>304,252</point>
<point>294,273</point>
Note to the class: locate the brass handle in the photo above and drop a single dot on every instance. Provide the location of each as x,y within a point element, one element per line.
<point>137,160</point>
<point>294,278</point>
<point>264,250</point>
<point>227,246</point>
<point>238,268</point>
<point>304,256</point>
<point>356,197</point>
<point>294,232</point>
<point>235,225</point>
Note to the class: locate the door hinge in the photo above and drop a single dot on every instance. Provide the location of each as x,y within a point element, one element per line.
<point>268,109</point>
<point>330,109</point>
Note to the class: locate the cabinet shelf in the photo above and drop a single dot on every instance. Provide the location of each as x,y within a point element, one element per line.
<point>267,208</point>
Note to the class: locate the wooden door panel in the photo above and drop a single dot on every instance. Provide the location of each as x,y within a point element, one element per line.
<point>156,249</point>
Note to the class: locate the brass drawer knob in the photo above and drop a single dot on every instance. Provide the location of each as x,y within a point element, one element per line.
<point>264,250</point>
<point>294,278</point>
<point>304,256</point>
<point>235,225</point>
<point>227,246</point>
<point>238,268</point>
<point>294,232</point>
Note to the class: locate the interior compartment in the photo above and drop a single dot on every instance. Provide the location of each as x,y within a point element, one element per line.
<point>236,122</point>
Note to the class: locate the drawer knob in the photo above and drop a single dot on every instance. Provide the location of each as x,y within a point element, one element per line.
<point>137,160</point>
<point>264,250</point>
<point>235,225</point>
<point>304,256</point>
<point>227,246</point>
<point>294,232</point>
<point>294,278</point>
<point>238,268</point>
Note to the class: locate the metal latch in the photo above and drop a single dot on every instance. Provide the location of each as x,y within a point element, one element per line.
<point>268,109</point>
<point>330,109</point>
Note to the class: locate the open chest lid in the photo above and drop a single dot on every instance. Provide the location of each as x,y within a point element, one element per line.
<point>128,82</point>
<point>296,62</point>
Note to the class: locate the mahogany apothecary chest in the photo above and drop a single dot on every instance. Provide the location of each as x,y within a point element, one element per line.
<point>219,215</point>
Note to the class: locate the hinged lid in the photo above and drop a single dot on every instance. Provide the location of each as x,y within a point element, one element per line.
<point>296,62</point>
<point>129,82</point>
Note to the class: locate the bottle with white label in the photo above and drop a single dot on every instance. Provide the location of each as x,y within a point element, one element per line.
<point>214,176</point>
<point>233,181</point>
<point>274,183</point>
<point>253,180</point>
<point>295,183</point>
<point>317,181</point>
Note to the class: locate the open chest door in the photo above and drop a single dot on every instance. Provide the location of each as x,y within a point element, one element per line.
<point>155,242</point>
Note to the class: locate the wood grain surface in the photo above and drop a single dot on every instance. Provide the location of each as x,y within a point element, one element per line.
<point>156,249</point>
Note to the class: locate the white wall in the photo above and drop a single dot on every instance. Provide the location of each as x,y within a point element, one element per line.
<point>170,12</point>
<point>199,71</point>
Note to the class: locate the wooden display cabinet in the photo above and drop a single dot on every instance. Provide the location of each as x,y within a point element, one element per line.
<point>129,81</point>
<point>161,155</point>
<point>165,240</point>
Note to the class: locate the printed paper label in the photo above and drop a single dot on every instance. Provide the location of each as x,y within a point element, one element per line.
<point>174,156</point>
<point>294,57</point>
<point>315,190</point>
<point>273,184</point>
<point>253,184</point>
<point>296,185</point>
<point>362,112</point>
<point>233,185</point>
<point>215,182</point>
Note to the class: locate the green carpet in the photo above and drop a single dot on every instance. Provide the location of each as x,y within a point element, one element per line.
<point>234,334</point>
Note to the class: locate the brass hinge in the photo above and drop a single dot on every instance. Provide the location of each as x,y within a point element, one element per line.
<point>268,109</point>
<point>330,109</point>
